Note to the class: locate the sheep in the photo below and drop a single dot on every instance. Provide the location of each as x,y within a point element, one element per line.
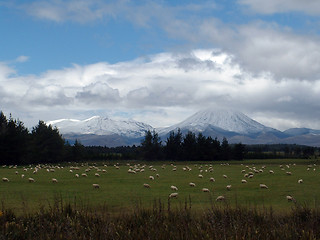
<point>84,175</point>
<point>174,188</point>
<point>173,195</point>
<point>271,171</point>
<point>5,179</point>
<point>300,181</point>
<point>212,179</point>
<point>97,174</point>
<point>31,180</point>
<point>225,176</point>
<point>192,184</point>
<point>263,186</point>
<point>289,173</point>
<point>146,185</point>
<point>220,198</point>
<point>228,187</point>
<point>290,198</point>
<point>205,190</point>
<point>54,180</point>
<point>17,172</point>
<point>243,181</point>
<point>157,175</point>
<point>95,185</point>
<point>200,176</point>
<point>22,175</point>
<point>77,175</point>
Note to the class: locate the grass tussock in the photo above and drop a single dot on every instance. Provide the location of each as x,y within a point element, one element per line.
<point>67,221</point>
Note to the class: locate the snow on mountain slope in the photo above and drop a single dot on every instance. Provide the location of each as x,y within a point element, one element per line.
<point>101,126</point>
<point>227,120</point>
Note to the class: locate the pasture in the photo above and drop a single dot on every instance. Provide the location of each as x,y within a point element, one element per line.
<point>122,191</point>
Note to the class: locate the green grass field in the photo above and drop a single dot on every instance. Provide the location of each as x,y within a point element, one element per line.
<point>122,191</point>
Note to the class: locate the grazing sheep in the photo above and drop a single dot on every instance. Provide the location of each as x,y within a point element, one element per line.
<point>228,187</point>
<point>17,172</point>
<point>271,171</point>
<point>290,198</point>
<point>84,175</point>
<point>157,175</point>
<point>243,181</point>
<point>192,184</point>
<point>212,179</point>
<point>151,177</point>
<point>95,185</point>
<point>5,179</point>
<point>289,173</point>
<point>200,176</point>
<point>300,181</point>
<point>205,190</point>
<point>220,198</point>
<point>146,185</point>
<point>31,180</point>
<point>173,195</point>
<point>77,175</point>
<point>97,174</point>
<point>263,186</point>
<point>22,175</point>
<point>174,188</point>
<point>54,180</point>
<point>225,176</point>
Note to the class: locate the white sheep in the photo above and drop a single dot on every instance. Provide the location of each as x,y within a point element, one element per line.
<point>77,175</point>
<point>146,185</point>
<point>290,198</point>
<point>173,195</point>
<point>151,177</point>
<point>84,175</point>
<point>174,188</point>
<point>31,180</point>
<point>205,190</point>
<point>200,176</point>
<point>54,180</point>
<point>192,184</point>
<point>289,173</point>
<point>300,181</point>
<point>263,186</point>
<point>220,198</point>
<point>225,176</point>
<point>243,181</point>
<point>228,187</point>
<point>212,179</point>
<point>95,185</point>
<point>5,179</point>
<point>271,171</point>
<point>97,174</point>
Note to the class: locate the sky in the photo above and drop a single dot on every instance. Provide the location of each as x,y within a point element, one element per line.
<point>160,61</point>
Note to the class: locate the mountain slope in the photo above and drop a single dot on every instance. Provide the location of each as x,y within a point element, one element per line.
<point>226,122</point>
<point>101,126</point>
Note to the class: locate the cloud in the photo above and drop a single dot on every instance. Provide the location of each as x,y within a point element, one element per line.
<point>310,7</point>
<point>167,86</point>
<point>98,93</point>
<point>22,59</point>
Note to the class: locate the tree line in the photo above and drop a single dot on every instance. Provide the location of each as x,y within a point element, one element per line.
<point>44,144</point>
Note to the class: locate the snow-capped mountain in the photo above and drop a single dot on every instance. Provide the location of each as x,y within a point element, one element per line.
<point>225,121</point>
<point>101,126</point>
<point>233,125</point>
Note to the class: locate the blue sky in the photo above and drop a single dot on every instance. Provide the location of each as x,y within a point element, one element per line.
<point>161,61</point>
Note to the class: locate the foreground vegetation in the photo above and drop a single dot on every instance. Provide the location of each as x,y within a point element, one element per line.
<point>67,222</point>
